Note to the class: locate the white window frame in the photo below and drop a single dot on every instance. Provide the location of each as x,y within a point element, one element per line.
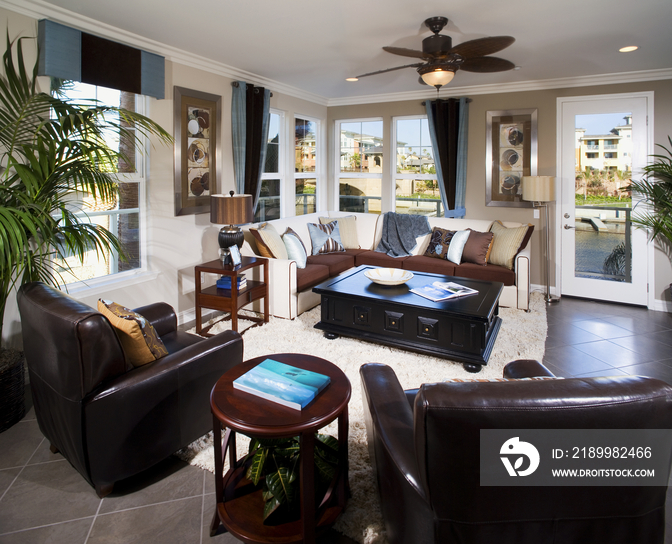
<point>393,159</point>
<point>319,161</point>
<point>361,175</point>
<point>140,176</point>
<point>280,174</point>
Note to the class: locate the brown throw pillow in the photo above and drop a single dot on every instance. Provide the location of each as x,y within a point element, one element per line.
<point>439,242</point>
<point>478,246</point>
<point>139,339</point>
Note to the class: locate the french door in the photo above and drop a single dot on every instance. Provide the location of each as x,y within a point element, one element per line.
<point>603,143</point>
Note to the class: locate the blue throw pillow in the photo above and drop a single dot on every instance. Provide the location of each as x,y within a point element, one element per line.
<point>325,238</point>
<point>456,246</point>
<point>296,251</point>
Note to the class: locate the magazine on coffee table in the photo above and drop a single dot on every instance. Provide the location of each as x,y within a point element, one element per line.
<point>443,290</point>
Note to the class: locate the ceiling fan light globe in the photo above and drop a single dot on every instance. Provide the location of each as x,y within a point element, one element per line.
<point>438,77</point>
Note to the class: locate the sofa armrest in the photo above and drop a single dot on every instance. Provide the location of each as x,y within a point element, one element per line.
<point>526,368</point>
<point>282,291</point>
<point>389,423</point>
<point>522,270</point>
<point>161,316</point>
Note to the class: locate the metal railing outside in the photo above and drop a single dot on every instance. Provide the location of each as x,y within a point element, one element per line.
<point>618,212</point>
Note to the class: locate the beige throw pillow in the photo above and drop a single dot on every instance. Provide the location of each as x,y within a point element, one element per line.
<point>138,337</point>
<point>507,243</point>
<point>347,228</point>
<point>269,241</point>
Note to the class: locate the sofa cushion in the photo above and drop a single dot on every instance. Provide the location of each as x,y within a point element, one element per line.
<point>439,243</point>
<point>422,263</point>
<point>491,272</point>
<point>347,228</point>
<point>269,242</point>
<point>296,251</point>
<point>138,337</point>
<point>376,258</point>
<point>325,238</point>
<point>310,276</point>
<point>336,262</point>
<point>507,243</point>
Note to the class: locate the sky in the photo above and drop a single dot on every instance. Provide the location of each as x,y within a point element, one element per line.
<point>600,123</point>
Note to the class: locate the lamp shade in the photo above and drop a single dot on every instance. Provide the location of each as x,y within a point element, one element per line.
<point>538,188</point>
<point>231,210</point>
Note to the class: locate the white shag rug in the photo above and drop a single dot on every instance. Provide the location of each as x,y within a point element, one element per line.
<point>522,336</point>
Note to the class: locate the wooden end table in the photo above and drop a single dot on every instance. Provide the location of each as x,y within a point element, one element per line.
<point>239,503</point>
<point>230,300</point>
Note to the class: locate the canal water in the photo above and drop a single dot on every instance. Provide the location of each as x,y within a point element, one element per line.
<point>593,247</point>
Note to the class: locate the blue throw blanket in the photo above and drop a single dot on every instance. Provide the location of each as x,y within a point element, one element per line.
<point>399,233</point>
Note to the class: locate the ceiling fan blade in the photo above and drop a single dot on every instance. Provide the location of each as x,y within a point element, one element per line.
<point>416,65</point>
<point>486,64</point>
<point>406,52</point>
<point>482,46</point>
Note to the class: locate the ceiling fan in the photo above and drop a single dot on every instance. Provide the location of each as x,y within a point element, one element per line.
<point>441,60</point>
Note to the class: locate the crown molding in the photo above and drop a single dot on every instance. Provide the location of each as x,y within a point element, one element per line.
<point>38,9</point>
<point>521,86</point>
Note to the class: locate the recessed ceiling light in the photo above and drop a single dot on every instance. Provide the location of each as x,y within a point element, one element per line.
<point>628,49</point>
<point>351,79</point>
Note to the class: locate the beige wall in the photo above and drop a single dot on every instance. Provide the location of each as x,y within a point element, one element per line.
<point>545,102</point>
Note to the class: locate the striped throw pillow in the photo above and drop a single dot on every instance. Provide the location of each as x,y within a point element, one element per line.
<point>325,238</point>
<point>507,243</point>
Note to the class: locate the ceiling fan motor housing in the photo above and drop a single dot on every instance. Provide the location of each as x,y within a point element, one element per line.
<point>438,43</point>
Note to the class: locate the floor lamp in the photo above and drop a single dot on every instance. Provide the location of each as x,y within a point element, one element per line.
<point>540,190</point>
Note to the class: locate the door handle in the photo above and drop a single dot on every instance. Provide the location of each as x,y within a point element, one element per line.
<point>567,227</point>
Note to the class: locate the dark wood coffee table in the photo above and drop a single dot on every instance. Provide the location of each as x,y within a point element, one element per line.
<point>239,503</point>
<point>462,329</point>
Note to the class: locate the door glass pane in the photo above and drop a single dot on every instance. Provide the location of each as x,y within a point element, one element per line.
<point>360,195</point>
<point>603,166</point>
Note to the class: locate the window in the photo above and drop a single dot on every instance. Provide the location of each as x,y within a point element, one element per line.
<point>416,186</point>
<point>359,169</point>
<point>271,179</point>
<point>592,155</point>
<point>610,155</point>
<point>306,159</point>
<point>123,216</point>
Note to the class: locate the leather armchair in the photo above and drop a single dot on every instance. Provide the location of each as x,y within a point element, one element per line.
<point>426,458</point>
<point>108,419</point>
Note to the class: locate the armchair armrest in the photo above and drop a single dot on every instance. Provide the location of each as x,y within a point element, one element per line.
<point>526,368</point>
<point>389,422</point>
<point>166,402</point>
<point>161,316</point>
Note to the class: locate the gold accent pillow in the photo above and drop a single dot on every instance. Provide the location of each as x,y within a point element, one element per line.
<point>507,243</point>
<point>269,242</point>
<point>139,339</point>
<point>347,228</point>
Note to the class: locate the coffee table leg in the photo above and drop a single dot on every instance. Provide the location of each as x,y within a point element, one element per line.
<point>308,487</point>
<point>343,489</point>
<point>219,469</point>
<point>472,367</point>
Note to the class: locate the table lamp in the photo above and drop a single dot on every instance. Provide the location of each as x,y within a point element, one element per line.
<point>231,211</point>
<point>540,190</point>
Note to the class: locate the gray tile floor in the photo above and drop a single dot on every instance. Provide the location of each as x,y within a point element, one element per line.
<point>43,499</point>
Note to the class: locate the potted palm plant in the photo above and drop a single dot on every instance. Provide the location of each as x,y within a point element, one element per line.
<point>655,189</point>
<point>52,151</point>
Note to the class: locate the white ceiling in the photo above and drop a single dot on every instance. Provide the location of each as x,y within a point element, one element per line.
<point>314,46</point>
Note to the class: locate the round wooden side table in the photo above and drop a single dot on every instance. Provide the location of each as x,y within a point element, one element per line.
<point>239,503</point>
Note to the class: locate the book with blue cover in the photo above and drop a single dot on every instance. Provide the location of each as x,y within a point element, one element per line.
<point>285,384</point>
<point>225,282</point>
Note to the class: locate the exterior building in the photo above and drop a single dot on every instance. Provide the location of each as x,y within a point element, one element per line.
<point>611,151</point>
